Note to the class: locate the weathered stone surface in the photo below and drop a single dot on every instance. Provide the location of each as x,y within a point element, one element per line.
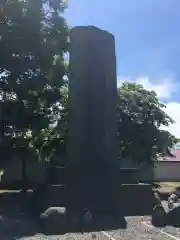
<point>53,220</point>
<point>159,212</point>
<point>49,195</point>
<point>92,142</point>
<point>87,220</point>
<point>92,98</point>
<point>172,199</point>
<point>159,216</point>
<point>128,175</point>
<point>3,225</point>
<point>157,198</point>
<point>173,215</point>
<point>136,199</point>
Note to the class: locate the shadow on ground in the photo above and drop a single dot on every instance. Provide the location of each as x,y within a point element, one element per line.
<point>17,221</point>
<point>100,223</point>
<point>14,219</point>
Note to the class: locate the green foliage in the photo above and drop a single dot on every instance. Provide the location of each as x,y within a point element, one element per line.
<point>176,140</point>
<point>140,116</point>
<point>54,138</point>
<point>33,41</point>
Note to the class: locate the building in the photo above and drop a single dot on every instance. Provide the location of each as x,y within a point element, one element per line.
<point>168,167</point>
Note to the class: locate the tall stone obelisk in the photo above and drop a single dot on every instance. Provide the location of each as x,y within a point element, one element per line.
<point>92,140</point>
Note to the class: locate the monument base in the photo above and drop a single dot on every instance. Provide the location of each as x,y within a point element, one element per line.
<point>128,199</point>
<point>137,199</point>
<point>100,191</point>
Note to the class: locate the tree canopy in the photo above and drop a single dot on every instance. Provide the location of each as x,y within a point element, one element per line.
<point>140,116</point>
<point>33,41</point>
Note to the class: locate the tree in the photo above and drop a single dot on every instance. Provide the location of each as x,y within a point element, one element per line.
<point>176,140</point>
<point>33,40</point>
<point>55,137</point>
<point>165,141</point>
<point>140,117</point>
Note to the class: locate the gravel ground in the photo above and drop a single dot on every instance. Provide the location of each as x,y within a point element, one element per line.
<point>136,230</point>
<point>141,229</point>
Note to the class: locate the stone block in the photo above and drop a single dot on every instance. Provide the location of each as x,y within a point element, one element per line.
<point>53,220</point>
<point>159,218</point>
<point>136,199</point>
<point>173,215</point>
<point>47,196</point>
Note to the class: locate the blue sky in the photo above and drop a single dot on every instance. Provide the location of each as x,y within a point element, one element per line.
<point>147,37</point>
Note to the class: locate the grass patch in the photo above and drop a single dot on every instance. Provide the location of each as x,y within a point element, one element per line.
<point>167,186</point>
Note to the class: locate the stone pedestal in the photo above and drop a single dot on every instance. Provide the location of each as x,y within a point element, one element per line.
<point>136,199</point>
<point>92,141</point>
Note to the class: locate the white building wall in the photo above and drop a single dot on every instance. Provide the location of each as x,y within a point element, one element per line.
<point>167,171</point>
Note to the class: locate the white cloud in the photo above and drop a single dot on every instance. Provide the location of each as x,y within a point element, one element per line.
<point>173,110</point>
<point>165,90</point>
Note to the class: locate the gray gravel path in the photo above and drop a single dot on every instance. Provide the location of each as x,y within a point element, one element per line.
<point>136,231</point>
<point>138,228</point>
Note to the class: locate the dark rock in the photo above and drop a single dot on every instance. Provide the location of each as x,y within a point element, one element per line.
<point>53,220</point>
<point>173,215</point>
<point>157,198</point>
<point>173,198</point>
<point>159,213</point>
<point>159,216</point>
<point>87,216</point>
<point>87,220</point>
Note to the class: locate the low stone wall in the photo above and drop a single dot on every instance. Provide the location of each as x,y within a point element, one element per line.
<point>12,171</point>
<point>145,173</point>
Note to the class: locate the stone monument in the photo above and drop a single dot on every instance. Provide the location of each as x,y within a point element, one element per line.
<point>92,141</point>
<point>90,180</point>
